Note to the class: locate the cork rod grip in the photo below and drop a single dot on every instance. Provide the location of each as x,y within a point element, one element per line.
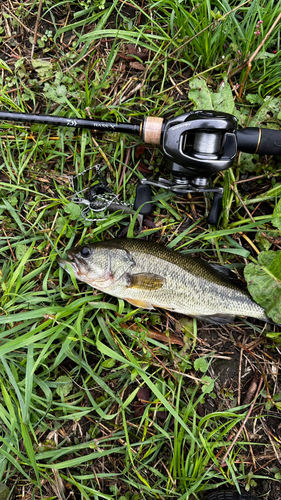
<point>152,129</point>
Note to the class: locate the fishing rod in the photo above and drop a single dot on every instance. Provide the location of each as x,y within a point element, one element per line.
<point>61,121</point>
<point>196,145</point>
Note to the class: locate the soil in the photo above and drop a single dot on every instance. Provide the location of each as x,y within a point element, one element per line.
<point>237,380</point>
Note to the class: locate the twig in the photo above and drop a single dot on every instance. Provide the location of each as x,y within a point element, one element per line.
<point>175,86</point>
<point>264,465</point>
<point>125,166</point>
<point>125,97</point>
<point>8,31</point>
<point>260,367</point>
<point>17,18</point>
<point>242,202</point>
<point>239,377</point>
<point>8,241</point>
<point>251,243</point>
<point>271,438</point>
<point>65,23</point>
<point>251,449</point>
<point>159,361</point>
<point>244,423</point>
<point>192,206</point>
<point>254,178</point>
<point>36,29</point>
<point>153,334</point>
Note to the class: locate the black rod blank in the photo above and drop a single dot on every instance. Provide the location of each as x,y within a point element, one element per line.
<point>61,121</point>
<point>262,141</point>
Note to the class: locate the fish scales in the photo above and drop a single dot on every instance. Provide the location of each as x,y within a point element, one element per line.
<point>149,275</point>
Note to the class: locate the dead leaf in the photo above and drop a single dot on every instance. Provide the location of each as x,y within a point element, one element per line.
<point>150,224</point>
<point>123,56</point>
<point>132,49</point>
<point>143,168</point>
<point>172,339</point>
<point>251,390</point>
<point>139,151</point>
<point>137,65</point>
<point>143,394</point>
<point>136,51</point>
<point>161,415</point>
<point>139,408</point>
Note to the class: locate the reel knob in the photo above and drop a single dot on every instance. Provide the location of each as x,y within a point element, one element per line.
<point>143,195</point>
<point>214,215</point>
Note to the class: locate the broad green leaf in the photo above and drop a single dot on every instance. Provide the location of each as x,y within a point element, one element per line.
<point>265,55</point>
<point>276,220</point>
<point>64,386</point>
<point>108,363</point>
<point>73,209</point>
<point>264,283</point>
<point>201,364</point>
<point>20,251</point>
<point>263,243</point>
<point>61,90</point>
<point>4,491</point>
<point>204,98</point>
<point>209,384</point>
<point>265,239</point>
<point>43,68</point>
<point>268,112</point>
<point>5,66</point>
<point>199,94</point>
<point>223,99</point>
<point>255,99</point>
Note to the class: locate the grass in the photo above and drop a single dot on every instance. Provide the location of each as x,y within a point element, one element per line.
<point>75,422</point>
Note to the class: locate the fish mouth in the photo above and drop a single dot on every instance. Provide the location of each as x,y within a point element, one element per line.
<point>70,261</point>
<point>61,262</point>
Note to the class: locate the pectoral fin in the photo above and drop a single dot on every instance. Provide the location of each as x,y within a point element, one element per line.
<point>145,281</point>
<point>140,303</point>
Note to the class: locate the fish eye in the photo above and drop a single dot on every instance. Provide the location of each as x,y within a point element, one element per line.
<point>85,251</point>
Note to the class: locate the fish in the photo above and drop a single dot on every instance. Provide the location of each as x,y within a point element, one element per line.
<point>148,275</point>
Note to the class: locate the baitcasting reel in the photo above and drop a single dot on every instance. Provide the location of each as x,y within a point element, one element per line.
<point>195,144</point>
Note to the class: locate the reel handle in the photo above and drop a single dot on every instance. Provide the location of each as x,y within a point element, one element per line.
<point>143,195</point>
<point>214,215</point>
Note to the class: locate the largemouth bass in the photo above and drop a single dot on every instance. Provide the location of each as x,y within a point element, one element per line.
<point>149,275</point>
